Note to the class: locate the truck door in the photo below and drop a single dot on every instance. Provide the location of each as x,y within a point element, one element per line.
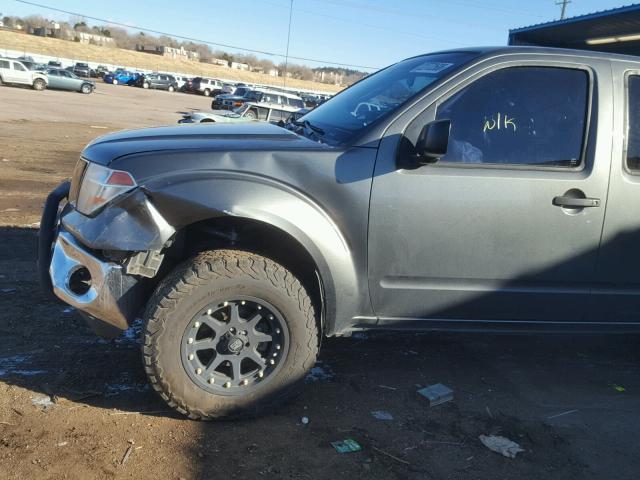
<point>616,298</point>
<point>506,226</point>
<point>20,74</point>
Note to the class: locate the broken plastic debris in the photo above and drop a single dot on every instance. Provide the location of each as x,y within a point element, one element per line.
<point>501,445</point>
<point>382,415</point>
<point>346,446</point>
<point>437,394</point>
<point>319,373</point>
<point>44,401</point>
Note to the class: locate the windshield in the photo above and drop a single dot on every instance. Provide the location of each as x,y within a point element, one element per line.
<point>359,106</point>
<point>241,91</point>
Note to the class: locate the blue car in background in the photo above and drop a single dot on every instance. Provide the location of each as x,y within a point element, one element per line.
<point>123,77</point>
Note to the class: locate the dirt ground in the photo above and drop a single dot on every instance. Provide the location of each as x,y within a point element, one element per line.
<point>72,405</point>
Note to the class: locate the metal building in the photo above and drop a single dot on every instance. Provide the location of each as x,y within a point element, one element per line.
<point>616,31</point>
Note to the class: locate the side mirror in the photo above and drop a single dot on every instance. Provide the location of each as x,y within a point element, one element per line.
<point>433,141</point>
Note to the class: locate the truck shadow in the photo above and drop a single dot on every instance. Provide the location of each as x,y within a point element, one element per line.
<point>520,380</point>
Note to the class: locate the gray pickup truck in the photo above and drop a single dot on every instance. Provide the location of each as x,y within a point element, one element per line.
<point>477,189</point>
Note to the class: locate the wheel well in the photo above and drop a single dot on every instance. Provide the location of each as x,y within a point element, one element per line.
<point>257,237</point>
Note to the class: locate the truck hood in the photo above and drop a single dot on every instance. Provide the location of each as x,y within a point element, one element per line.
<point>250,136</point>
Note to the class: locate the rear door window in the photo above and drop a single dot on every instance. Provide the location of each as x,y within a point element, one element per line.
<point>522,116</point>
<point>4,64</point>
<point>633,124</point>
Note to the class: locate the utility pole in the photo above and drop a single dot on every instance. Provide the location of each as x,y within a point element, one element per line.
<point>564,4</point>
<point>286,58</point>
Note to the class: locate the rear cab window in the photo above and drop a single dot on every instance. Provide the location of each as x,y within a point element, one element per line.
<point>632,154</point>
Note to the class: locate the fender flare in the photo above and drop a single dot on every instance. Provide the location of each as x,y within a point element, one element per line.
<point>210,194</point>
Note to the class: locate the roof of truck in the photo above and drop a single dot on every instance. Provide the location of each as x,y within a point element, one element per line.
<point>508,49</point>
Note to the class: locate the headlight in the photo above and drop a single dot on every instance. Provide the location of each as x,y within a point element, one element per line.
<point>100,185</point>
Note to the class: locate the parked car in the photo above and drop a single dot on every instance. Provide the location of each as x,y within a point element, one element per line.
<point>491,189</point>
<point>265,104</point>
<point>54,64</point>
<point>206,86</point>
<point>82,69</point>
<point>234,100</point>
<point>64,80</point>
<point>158,81</point>
<point>101,71</point>
<point>17,73</point>
<point>278,114</point>
<point>181,82</point>
<point>120,77</point>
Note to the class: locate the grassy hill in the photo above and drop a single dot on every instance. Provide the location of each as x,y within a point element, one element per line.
<point>116,56</point>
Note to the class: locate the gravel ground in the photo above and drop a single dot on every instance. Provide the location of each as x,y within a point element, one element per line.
<point>72,405</point>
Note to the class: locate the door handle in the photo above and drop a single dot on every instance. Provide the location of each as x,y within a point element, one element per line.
<point>573,202</point>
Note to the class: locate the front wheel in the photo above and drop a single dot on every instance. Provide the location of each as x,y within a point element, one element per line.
<point>251,114</point>
<point>39,84</point>
<point>206,92</point>
<point>86,89</point>
<point>115,82</point>
<point>228,333</point>
<point>145,85</point>
<point>171,89</point>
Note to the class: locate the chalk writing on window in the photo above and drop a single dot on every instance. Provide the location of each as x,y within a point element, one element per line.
<point>499,121</point>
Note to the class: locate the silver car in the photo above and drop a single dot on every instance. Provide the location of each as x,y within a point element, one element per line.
<point>61,79</point>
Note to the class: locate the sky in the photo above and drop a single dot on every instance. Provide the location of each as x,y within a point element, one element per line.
<point>366,33</point>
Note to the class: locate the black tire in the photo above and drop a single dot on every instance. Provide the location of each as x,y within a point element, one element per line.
<point>252,114</point>
<point>206,92</point>
<point>39,84</point>
<point>145,85</point>
<point>114,81</point>
<point>171,88</point>
<point>211,278</point>
<point>86,89</point>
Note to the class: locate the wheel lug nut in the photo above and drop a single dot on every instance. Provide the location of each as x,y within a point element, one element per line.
<point>277,330</point>
<point>278,347</point>
<point>275,354</point>
<point>270,317</point>
<point>196,325</point>
<point>261,374</point>
<point>227,385</point>
<point>245,382</point>
<point>212,380</point>
<point>209,312</point>
<point>198,371</point>
<point>243,332</point>
<point>243,303</point>
<point>259,307</point>
<point>190,340</point>
<point>190,356</point>
<point>272,361</point>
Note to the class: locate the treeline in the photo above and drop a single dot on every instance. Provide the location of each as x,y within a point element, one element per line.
<point>123,38</point>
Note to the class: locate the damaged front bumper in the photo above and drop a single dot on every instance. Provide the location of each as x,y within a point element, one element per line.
<point>72,262</point>
<point>98,288</point>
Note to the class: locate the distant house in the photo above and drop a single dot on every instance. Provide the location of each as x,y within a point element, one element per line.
<point>220,61</point>
<point>84,37</point>
<point>169,52</point>
<point>273,72</point>
<point>239,66</point>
